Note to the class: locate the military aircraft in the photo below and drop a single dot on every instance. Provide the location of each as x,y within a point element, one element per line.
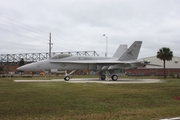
<point>122,59</point>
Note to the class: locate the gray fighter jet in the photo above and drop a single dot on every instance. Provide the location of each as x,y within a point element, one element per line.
<point>123,59</point>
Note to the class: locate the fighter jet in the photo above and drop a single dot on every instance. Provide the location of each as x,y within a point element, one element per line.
<point>106,66</point>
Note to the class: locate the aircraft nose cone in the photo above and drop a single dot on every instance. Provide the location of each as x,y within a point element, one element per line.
<point>29,67</point>
<point>20,68</point>
<point>25,68</point>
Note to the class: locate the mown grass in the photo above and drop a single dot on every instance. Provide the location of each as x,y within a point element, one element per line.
<point>69,101</point>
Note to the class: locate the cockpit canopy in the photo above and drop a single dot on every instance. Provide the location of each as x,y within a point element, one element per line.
<point>60,56</point>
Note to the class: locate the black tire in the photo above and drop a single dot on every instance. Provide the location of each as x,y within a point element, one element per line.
<point>103,77</point>
<point>67,78</point>
<point>114,77</point>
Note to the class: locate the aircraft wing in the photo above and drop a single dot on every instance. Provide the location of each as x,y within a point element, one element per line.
<point>94,62</point>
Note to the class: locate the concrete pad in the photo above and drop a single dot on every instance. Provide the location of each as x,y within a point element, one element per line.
<point>176,118</point>
<point>96,80</point>
<point>58,80</point>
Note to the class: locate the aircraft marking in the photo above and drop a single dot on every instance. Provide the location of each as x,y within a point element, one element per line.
<point>130,53</point>
<point>63,65</point>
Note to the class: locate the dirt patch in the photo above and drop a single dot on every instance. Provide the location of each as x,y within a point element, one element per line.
<point>177,97</point>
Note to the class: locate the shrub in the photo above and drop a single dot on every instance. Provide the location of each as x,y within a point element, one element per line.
<point>172,75</point>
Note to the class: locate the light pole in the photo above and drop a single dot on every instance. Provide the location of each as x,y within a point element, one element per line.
<point>106,44</point>
<point>50,45</point>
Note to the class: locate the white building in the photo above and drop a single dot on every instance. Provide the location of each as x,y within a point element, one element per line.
<point>172,67</point>
<point>174,63</point>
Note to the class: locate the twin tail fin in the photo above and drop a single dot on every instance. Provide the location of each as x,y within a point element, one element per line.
<point>132,52</point>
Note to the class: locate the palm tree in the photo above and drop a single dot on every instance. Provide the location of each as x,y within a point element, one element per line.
<point>164,54</point>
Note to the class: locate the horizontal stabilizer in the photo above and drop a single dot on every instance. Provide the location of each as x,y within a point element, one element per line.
<point>154,65</point>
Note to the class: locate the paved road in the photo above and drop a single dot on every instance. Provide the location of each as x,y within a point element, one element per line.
<point>95,80</point>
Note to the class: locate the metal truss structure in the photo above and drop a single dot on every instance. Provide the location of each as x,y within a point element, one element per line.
<point>13,59</point>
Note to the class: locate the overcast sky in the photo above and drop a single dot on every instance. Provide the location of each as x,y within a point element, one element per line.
<point>79,25</point>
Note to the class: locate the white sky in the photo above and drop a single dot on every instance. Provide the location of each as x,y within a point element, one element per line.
<point>79,25</point>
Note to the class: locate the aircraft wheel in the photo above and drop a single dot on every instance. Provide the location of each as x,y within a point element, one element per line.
<point>114,77</point>
<point>103,77</point>
<point>67,78</point>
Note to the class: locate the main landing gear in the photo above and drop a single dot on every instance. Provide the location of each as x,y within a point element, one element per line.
<point>113,77</point>
<point>109,74</point>
<point>103,77</point>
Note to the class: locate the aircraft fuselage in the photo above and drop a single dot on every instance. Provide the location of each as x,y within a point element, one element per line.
<point>61,63</point>
<point>76,63</point>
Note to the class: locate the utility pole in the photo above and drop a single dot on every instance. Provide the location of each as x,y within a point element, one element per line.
<point>50,45</point>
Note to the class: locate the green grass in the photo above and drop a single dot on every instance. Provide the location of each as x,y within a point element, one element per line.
<point>69,101</point>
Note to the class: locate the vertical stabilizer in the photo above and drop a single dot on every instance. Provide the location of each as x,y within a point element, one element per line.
<point>121,49</point>
<point>131,53</point>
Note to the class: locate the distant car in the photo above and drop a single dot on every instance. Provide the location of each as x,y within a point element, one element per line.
<point>41,73</point>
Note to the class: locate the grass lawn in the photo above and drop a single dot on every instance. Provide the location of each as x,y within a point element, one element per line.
<point>86,101</point>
